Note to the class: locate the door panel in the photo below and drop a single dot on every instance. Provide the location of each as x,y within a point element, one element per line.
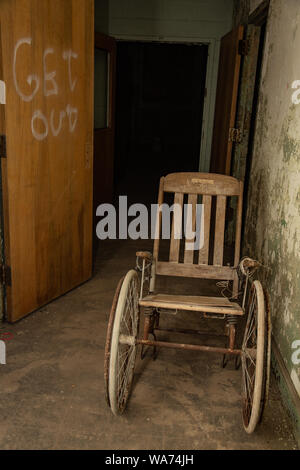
<point>226,101</point>
<point>245,102</point>
<point>245,112</point>
<point>105,69</point>
<point>101,89</point>
<point>47,55</point>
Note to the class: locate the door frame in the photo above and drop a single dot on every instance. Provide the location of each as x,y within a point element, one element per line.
<point>104,138</point>
<point>210,85</point>
<point>102,41</point>
<point>108,44</point>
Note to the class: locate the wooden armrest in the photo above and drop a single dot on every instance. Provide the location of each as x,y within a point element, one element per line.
<point>145,255</point>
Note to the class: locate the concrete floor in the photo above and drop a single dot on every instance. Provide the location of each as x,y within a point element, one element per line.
<point>52,388</point>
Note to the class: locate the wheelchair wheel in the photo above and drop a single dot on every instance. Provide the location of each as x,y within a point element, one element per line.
<point>267,369</point>
<point>122,347</point>
<point>108,337</point>
<point>254,358</point>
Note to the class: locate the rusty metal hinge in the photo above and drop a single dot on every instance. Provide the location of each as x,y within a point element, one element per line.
<point>244,47</point>
<point>3,153</point>
<point>5,275</point>
<point>235,135</point>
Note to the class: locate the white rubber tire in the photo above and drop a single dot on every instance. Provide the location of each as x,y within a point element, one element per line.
<point>129,288</point>
<point>251,423</point>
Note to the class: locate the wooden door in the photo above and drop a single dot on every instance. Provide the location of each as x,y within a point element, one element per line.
<point>47,177</point>
<point>105,70</point>
<point>226,101</point>
<point>244,114</point>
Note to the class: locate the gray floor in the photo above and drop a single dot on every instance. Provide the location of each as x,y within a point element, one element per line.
<point>52,388</point>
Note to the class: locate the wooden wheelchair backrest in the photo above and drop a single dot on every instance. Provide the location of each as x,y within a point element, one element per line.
<point>190,186</point>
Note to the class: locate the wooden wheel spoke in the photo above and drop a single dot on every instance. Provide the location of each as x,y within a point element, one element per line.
<point>127,325</point>
<point>252,327</point>
<point>250,357</point>
<point>251,381</point>
<point>123,384</point>
<point>122,355</point>
<point>127,354</point>
<point>121,368</point>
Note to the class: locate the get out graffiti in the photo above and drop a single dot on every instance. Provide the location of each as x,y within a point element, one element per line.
<point>41,124</point>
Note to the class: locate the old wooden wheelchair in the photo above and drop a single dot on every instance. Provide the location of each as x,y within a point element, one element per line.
<point>136,292</point>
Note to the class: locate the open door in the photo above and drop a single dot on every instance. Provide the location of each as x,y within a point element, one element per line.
<point>224,133</point>
<point>105,71</point>
<point>47,169</point>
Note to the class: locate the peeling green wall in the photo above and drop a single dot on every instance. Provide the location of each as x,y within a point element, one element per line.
<point>273,216</point>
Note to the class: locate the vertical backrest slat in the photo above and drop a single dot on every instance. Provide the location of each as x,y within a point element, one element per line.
<point>158,219</point>
<point>238,237</point>
<point>190,227</point>
<point>176,228</point>
<point>204,252</point>
<point>219,231</point>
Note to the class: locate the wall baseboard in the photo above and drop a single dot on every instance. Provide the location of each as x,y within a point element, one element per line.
<point>291,399</point>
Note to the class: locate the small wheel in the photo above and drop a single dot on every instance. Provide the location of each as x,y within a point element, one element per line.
<point>254,358</point>
<point>123,347</point>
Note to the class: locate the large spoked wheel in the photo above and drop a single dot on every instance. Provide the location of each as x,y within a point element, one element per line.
<point>267,369</point>
<point>254,358</point>
<point>108,337</point>
<point>122,348</point>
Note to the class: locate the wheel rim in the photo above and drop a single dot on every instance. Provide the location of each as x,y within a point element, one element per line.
<point>253,351</point>
<point>109,337</point>
<point>267,357</point>
<point>123,354</point>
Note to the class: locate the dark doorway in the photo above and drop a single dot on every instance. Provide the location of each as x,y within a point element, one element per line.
<point>159,107</point>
